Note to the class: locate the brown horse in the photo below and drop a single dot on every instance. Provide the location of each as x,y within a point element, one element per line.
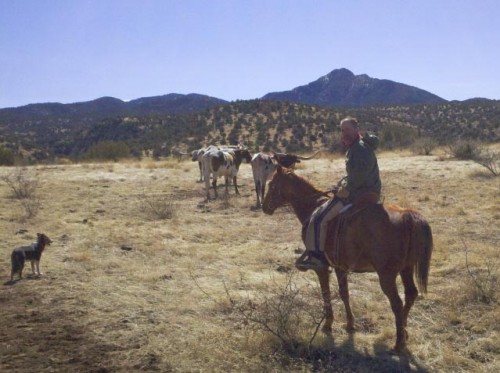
<point>388,240</point>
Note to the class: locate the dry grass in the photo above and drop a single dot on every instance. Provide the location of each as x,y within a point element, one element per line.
<point>124,292</point>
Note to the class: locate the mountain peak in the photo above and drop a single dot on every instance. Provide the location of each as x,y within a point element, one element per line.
<point>342,72</point>
<point>341,87</point>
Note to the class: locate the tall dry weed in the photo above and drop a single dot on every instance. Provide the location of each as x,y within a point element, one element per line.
<point>22,182</point>
<point>157,206</point>
<point>482,281</point>
<point>489,159</point>
<point>282,309</point>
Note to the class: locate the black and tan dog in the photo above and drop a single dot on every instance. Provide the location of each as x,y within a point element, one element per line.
<point>33,253</point>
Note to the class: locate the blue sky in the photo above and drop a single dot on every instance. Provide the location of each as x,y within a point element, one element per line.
<point>79,50</point>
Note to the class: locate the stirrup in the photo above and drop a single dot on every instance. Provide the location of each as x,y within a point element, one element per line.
<point>311,260</point>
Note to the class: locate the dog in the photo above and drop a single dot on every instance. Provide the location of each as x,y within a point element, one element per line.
<point>33,253</point>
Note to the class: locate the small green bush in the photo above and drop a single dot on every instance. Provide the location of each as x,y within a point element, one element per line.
<point>396,135</point>
<point>6,157</point>
<point>465,149</point>
<point>107,151</point>
<point>424,146</point>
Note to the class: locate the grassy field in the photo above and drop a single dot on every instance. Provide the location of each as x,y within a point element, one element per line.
<point>145,275</point>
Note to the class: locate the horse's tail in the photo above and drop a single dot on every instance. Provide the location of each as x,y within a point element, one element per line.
<point>421,243</point>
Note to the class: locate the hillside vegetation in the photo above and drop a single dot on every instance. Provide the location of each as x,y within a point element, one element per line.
<point>259,124</point>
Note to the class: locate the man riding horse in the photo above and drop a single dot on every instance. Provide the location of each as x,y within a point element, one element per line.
<point>387,239</point>
<point>361,185</point>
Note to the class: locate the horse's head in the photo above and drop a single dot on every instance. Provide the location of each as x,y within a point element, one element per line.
<point>286,187</point>
<point>278,193</point>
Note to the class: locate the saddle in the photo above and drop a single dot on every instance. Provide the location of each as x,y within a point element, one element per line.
<point>337,227</point>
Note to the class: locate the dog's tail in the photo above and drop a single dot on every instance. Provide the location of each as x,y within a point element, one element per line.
<point>17,262</point>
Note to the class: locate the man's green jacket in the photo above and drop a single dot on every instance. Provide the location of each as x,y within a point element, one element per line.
<point>362,168</point>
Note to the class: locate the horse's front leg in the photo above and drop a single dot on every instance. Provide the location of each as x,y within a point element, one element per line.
<point>344,295</point>
<point>324,282</point>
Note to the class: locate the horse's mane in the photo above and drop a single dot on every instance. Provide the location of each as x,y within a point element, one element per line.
<point>300,182</point>
<point>397,208</point>
<point>306,187</point>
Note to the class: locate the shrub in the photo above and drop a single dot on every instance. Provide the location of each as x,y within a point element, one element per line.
<point>395,135</point>
<point>424,146</point>
<point>465,149</point>
<point>282,310</point>
<point>483,282</point>
<point>488,159</point>
<point>474,151</point>
<point>157,207</point>
<point>31,206</point>
<point>22,183</point>
<point>6,157</point>
<point>107,151</point>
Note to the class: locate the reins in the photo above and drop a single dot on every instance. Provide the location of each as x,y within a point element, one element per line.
<point>312,196</point>
<point>315,195</point>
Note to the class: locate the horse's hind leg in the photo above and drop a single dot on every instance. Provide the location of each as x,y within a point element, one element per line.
<point>411,291</point>
<point>390,289</point>
<point>344,295</point>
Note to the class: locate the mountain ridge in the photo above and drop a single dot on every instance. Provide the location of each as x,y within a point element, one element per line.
<point>106,106</point>
<point>341,87</point>
<point>160,123</point>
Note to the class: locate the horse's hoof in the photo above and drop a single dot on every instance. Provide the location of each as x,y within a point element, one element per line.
<point>399,350</point>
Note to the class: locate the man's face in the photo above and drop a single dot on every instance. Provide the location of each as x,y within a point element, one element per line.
<point>349,134</point>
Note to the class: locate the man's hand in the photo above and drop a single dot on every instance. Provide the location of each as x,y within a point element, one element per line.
<point>342,193</point>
